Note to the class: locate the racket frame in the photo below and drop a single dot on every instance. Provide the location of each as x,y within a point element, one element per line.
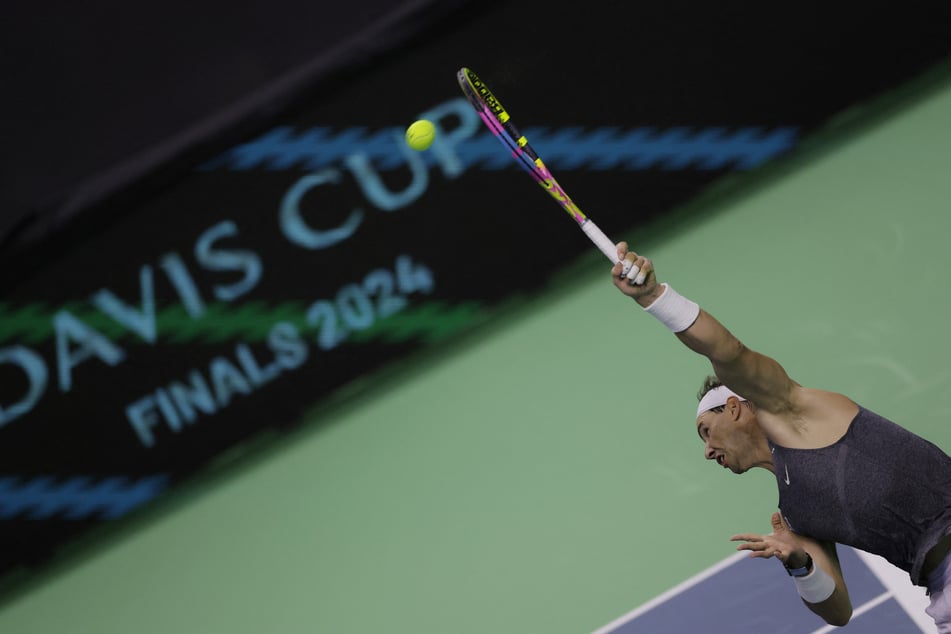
<point>497,119</point>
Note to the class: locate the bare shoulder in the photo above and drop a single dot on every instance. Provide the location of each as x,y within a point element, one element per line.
<point>813,419</point>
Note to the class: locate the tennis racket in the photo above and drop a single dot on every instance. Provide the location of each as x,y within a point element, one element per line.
<point>500,123</point>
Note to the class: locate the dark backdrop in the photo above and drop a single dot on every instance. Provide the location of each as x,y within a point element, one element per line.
<point>211,224</point>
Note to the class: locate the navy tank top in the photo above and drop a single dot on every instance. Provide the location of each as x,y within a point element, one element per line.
<point>879,488</point>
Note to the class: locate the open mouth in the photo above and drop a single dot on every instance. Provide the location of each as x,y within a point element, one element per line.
<point>721,460</point>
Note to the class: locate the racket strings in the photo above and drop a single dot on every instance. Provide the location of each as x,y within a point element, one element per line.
<point>509,136</point>
<point>526,157</point>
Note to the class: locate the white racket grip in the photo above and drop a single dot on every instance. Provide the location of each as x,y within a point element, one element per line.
<point>600,240</point>
<point>607,247</point>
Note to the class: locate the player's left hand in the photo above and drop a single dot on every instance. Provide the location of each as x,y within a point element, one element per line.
<point>782,543</point>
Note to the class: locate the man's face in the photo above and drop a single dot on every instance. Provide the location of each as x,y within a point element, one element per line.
<point>724,440</point>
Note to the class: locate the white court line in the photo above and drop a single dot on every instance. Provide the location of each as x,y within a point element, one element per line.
<point>911,598</point>
<point>692,581</point>
<point>862,609</point>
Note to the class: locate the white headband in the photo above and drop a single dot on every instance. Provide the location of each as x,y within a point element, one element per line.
<point>716,397</point>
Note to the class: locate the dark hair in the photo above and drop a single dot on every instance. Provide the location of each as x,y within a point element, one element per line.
<point>709,383</point>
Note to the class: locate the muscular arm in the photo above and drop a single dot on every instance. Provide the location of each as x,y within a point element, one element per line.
<point>790,415</point>
<point>837,609</point>
<point>757,377</point>
<point>791,549</point>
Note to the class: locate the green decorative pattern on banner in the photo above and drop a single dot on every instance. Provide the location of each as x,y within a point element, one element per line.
<point>429,322</point>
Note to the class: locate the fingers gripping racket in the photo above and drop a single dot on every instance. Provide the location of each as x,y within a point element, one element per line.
<point>500,123</point>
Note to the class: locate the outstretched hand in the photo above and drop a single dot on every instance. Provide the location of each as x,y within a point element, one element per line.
<point>647,290</point>
<point>782,544</point>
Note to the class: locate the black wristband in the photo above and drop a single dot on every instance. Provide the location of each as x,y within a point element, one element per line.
<point>802,571</point>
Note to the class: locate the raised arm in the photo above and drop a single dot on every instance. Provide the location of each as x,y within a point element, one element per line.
<point>756,376</point>
<point>790,414</point>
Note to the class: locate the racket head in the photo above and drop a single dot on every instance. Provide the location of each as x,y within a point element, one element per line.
<point>499,122</point>
<point>479,94</point>
<point>492,111</point>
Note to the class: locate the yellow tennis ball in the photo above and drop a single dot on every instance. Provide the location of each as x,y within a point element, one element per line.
<point>420,135</point>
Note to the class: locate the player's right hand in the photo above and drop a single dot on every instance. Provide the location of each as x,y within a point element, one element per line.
<point>634,275</point>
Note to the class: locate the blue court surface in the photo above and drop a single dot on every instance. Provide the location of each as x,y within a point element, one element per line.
<point>754,596</point>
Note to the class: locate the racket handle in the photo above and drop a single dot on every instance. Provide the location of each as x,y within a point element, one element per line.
<point>600,240</point>
<point>609,249</point>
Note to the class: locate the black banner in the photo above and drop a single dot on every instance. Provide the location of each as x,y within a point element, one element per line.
<point>186,315</point>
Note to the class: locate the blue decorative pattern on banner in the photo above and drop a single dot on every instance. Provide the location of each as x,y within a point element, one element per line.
<point>600,148</point>
<point>76,497</point>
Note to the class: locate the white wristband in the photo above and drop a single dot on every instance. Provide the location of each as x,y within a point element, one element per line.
<point>815,587</point>
<point>674,310</point>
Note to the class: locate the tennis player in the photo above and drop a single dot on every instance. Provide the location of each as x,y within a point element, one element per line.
<point>845,474</point>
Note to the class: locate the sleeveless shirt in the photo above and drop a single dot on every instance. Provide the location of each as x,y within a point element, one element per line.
<point>880,488</point>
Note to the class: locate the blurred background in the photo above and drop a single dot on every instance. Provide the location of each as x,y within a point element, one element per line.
<point>264,368</point>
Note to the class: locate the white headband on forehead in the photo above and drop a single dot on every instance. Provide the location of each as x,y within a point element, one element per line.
<point>716,397</point>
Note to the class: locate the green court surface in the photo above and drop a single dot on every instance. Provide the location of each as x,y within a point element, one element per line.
<point>545,476</point>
